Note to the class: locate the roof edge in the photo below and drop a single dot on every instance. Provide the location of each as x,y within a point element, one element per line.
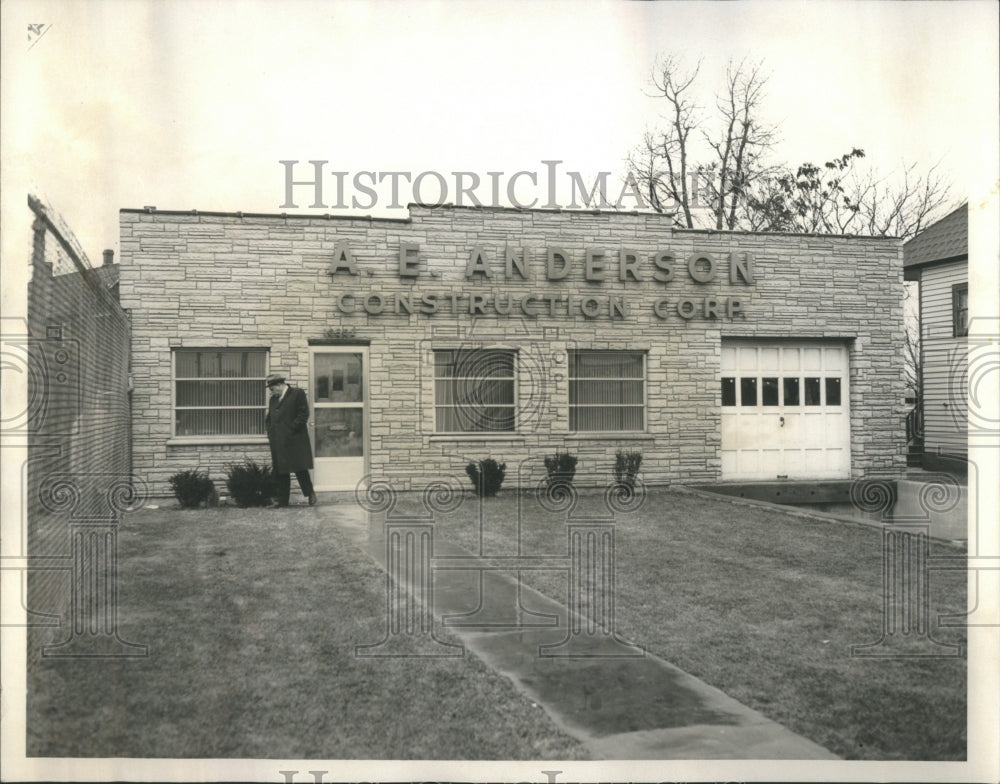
<point>931,262</point>
<point>866,237</point>
<point>241,214</point>
<point>666,216</point>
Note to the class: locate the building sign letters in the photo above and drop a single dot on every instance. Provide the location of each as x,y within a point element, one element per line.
<point>598,266</point>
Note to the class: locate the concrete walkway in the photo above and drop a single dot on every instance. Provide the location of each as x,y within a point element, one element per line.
<point>619,700</point>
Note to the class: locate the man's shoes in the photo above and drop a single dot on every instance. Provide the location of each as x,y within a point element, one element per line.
<point>312,499</point>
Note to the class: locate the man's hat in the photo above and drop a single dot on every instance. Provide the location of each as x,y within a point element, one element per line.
<point>274,378</point>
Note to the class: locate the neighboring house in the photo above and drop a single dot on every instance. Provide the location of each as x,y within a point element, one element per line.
<point>938,259</point>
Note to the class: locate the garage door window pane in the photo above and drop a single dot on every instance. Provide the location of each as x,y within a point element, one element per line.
<point>748,391</point>
<point>769,391</point>
<point>791,391</point>
<point>812,392</point>
<point>833,391</point>
<point>729,391</point>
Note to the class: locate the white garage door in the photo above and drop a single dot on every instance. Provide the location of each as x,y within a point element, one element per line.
<point>784,411</point>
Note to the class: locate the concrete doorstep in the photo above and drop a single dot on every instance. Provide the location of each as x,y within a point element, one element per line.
<point>619,700</point>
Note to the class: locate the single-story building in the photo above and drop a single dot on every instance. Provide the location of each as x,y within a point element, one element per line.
<point>459,333</point>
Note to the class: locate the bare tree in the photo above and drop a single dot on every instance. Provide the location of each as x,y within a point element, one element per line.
<point>912,355</point>
<point>841,198</point>
<point>728,148</point>
<point>898,206</point>
<point>712,169</point>
<point>913,372</point>
<point>739,149</point>
<point>911,362</point>
<point>811,200</point>
<point>660,163</point>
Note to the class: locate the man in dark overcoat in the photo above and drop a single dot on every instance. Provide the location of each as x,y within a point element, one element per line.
<point>291,450</point>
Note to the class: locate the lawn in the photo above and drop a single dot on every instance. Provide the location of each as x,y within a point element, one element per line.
<point>765,606</point>
<point>252,616</point>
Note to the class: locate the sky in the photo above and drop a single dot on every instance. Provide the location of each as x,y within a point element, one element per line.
<point>192,104</point>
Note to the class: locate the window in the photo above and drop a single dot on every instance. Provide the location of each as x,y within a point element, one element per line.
<point>960,310</point>
<point>337,378</point>
<point>780,391</point>
<point>729,391</point>
<point>769,391</point>
<point>791,386</point>
<point>473,391</point>
<point>607,391</point>
<point>219,392</point>
<point>833,391</point>
<point>812,392</point>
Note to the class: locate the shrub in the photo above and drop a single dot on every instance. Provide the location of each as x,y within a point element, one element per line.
<point>487,476</point>
<point>560,467</point>
<point>626,467</point>
<point>250,484</point>
<point>192,488</point>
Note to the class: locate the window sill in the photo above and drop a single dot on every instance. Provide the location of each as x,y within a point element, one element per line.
<point>476,437</point>
<point>216,440</point>
<point>604,435</point>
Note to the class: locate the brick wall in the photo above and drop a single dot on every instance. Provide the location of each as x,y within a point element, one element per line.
<point>208,280</point>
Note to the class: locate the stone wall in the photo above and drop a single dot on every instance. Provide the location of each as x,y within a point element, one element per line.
<point>211,280</point>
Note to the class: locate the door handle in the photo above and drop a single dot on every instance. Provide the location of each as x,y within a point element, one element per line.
<point>782,421</point>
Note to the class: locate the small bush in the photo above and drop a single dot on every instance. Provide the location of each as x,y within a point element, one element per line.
<point>250,484</point>
<point>561,467</point>
<point>487,476</point>
<point>627,467</point>
<point>192,488</point>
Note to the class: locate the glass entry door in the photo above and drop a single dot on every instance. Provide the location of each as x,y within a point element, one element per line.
<point>339,420</point>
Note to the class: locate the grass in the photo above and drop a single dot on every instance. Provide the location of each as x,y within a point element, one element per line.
<point>251,618</point>
<point>765,606</point>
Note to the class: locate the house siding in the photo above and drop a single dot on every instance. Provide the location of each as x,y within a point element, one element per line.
<point>944,362</point>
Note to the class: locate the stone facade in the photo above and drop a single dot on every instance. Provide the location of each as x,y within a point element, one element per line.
<point>197,280</point>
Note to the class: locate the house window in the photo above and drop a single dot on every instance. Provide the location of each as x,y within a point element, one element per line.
<point>219,392</point>
<point>607,391</point>
<point>473,391</point>
<point>960,310</point>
